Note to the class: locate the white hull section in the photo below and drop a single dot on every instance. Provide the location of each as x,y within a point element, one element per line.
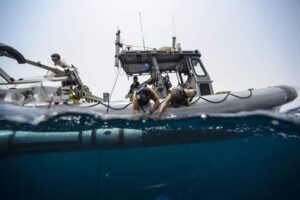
<point>257,99</point>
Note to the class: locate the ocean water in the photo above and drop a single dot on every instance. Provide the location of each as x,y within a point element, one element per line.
<point>253,155</point>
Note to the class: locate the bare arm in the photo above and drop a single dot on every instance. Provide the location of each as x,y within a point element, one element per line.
<point>164,105</point>
<point>135,105</point>
<point>156,101</point>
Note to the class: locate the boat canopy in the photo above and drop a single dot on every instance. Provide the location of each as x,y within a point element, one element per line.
<point>8,51</point>
<point>140,62</point>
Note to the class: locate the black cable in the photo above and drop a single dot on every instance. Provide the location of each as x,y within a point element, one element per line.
<point>243,97</point>
<point>112,90</point>
<point>108,106</point>
<point>212,101</point>
<point>228,93</point>
<point>119,108</point>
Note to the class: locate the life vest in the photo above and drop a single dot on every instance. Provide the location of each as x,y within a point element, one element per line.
<point>74,97</point>
<point>178,97</point>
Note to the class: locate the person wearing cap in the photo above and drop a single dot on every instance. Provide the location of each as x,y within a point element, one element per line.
<point>58,62</point>
<point>141,100</point>
<point>133,87</point>
<point>177,97</point>
<point>66,68</point>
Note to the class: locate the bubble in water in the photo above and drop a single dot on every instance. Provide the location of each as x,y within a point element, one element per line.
<point>144,121</point>
<point>283,135</point>
<point>275,122</point>
<point>203,116</point>
<point>39,119</point>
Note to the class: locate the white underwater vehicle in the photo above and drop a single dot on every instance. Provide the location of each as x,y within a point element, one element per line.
<point>190,72</point>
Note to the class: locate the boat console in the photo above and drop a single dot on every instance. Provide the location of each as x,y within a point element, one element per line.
<point>187,66</point>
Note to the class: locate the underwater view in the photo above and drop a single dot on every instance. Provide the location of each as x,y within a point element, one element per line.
<point>251,155</point>
<point>140,100</point>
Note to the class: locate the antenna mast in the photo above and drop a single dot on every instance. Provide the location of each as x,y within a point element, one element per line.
<point>174,37</point>
<point>118,46</point>
<point>142,30</point>
<point>174,29</point>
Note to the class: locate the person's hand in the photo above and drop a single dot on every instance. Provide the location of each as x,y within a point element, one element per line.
<point>148,113</point>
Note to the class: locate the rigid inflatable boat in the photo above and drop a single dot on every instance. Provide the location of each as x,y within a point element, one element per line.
<point>155,63</point>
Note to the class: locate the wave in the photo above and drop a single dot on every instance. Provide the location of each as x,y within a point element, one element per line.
<point>70,118</point>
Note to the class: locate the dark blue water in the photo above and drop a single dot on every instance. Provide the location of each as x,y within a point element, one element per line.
<point>260,159</point>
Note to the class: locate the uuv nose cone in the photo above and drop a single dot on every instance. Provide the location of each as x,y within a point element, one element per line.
<point>290,92</point>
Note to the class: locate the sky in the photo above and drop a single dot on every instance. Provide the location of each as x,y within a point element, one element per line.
<point>244,43</point>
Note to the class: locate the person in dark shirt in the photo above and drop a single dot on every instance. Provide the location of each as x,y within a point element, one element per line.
<point>141,100</point>
<point>167,83</point>
<point>133,87</point>
<point>177,97</point>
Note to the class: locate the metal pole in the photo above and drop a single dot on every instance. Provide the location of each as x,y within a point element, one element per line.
<point>118,45</point>
<point>142,30</point>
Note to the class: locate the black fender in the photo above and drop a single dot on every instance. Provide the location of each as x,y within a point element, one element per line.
<point>8,51</point>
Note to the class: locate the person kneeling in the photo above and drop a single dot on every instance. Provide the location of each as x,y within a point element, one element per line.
<point>178,96</point>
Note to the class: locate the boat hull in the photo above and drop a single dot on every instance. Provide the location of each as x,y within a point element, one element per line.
<point>270,98</point>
